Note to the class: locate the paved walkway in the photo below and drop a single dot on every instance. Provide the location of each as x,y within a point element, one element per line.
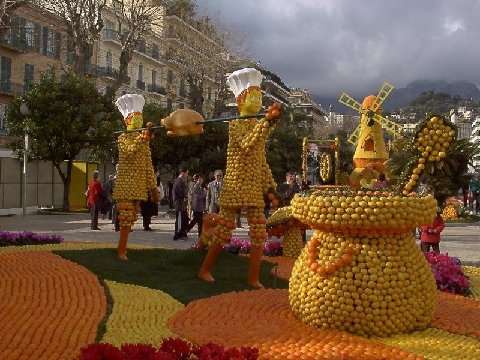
<point>461,240</point>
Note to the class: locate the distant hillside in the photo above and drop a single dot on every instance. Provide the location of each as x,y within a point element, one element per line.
<point>404,96</point>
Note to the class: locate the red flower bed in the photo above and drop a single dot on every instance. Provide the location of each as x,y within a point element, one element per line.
<point>170,349</point>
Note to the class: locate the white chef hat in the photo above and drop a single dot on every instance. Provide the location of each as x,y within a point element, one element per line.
<point>241,80</point>
<point>130,103</point>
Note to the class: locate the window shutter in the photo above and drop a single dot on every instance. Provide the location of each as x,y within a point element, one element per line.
<point>38,37</point>
<point>22,41</point>
<point>6,72</point>
<point>58,45</point>
<point>44,40</point>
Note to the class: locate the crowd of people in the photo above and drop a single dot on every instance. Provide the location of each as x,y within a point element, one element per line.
<point>191,198</point>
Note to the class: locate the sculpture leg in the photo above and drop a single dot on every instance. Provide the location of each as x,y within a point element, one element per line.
<point>127,216</point>
<point>122,243</point>
<point>221,235</point>
<point>258,234</point>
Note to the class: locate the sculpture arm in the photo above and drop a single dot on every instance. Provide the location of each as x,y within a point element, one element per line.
<point>259,132</point>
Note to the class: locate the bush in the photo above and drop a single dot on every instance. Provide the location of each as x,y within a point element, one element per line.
<point>448,273</point>
<point>170,349</point>
<point>8,238</point>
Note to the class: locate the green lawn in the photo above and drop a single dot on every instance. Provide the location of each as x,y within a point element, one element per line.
<point>172,271</point>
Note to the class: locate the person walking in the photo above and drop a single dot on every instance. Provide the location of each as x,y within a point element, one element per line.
<point>213,193</point>
<point>108,196</point>
<point>147,209</point>
<point>180,202</point>
<point>94,195</point>
<point>430,234</point>
<point>190,186</point>
<point>288,189</point>
<point>161,193</point>
<point>199,197</point>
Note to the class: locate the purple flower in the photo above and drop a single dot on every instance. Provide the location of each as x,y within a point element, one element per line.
<point>8,238</point>
<point>448,273</point>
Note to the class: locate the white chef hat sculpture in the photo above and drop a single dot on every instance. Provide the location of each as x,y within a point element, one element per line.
<point>241,80</point>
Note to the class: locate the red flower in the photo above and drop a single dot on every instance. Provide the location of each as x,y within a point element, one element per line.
<point>101,352</point>
<point>179,348</point>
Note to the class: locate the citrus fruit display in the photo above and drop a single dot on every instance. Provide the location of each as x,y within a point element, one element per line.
<point>433,140</point>
<point>282,224</point>
<point>362,271</point>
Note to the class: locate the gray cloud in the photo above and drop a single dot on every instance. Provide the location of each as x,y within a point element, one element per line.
<point>332,45</point>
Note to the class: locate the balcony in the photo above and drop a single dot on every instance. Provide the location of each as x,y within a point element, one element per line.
<point>14,43</point>
<point>9,88</point>
<point>157,89</point>
<point>107,71</point>
<point>141,85</point>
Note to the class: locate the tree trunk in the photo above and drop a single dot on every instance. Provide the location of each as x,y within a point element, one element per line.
<point>66,178</point>
<point>195,95</point>
<point>125,58</point>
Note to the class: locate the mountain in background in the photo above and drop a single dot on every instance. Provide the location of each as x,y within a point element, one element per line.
<point>404,96</point>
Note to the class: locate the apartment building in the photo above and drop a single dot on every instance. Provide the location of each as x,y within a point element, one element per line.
<point>193,49</point>
<point>302,100</point>
<point>147,72</point>
<point>31,46</point>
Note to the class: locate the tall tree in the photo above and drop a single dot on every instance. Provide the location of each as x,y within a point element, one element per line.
<point>7,7</point>
<point>201,60</point>
<point>83,21</point>
<point>65,116</point>
<point>202,154</point>
<point>135,19</point>
<point>185,9</point>
<point>284,148</point>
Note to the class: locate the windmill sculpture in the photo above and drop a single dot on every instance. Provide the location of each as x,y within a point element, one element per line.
<point>370,153</point>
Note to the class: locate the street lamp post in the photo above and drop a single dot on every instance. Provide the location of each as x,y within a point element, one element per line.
<point>25,111</point>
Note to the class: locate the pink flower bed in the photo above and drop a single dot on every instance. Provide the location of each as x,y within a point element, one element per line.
<point>242,246</point>
<point>170,349</point>
<point>448,273</point>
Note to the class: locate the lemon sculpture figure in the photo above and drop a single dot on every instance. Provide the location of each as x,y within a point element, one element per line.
<point>135,176</point>
<point>247,176</point>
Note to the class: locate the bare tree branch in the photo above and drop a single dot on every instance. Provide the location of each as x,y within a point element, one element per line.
<point>83,22</point>
<point>136,18</point>
<point>7,7</point>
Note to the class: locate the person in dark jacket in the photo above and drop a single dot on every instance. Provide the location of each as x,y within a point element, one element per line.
<point>180,203</point>
<point>288,189</point>
<point>147,209</point>
<point>198,203</point>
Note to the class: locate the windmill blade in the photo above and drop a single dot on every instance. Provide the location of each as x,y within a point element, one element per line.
<point>383,93</point>
<point>347,100</point>
<point>388,125</point>
<point>353,139</point>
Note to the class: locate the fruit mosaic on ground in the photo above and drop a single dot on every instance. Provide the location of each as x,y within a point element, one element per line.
<point>56,299</point>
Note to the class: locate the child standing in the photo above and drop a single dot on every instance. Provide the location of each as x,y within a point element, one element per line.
<point>430,234</point>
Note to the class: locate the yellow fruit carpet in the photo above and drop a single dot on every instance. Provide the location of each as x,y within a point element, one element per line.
<point>139,314</point>
<point>49,307</point>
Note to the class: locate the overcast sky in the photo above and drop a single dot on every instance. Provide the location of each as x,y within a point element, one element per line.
<point>332,45</point>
